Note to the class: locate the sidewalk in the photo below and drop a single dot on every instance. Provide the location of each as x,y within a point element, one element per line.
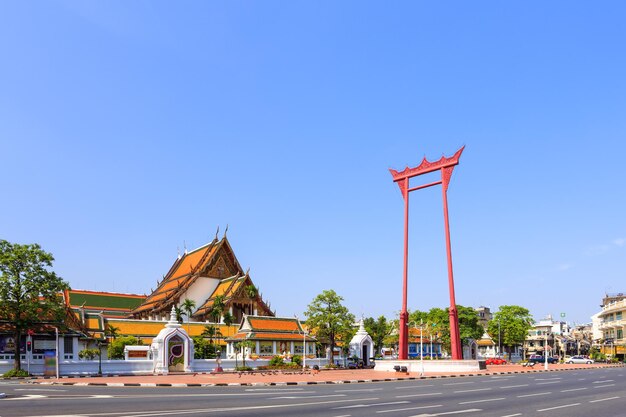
<point>343,376</point>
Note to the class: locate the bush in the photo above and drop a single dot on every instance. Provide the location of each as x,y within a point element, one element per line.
<point>297,359</point>
<point>116,349</point>
<point>276,361</point>
<point>15,373</point>
<point>88,353</point>
<point>243,368</point>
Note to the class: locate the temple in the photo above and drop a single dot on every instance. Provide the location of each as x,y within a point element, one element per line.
<point>213,279</point>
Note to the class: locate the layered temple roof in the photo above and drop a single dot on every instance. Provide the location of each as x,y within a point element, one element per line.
<point>213,260</point>
<point>270,328</point>
<point>90,308</point>
<point>203,275</point>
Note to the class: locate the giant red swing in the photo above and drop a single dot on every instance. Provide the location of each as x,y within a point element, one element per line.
<point>445,166</point>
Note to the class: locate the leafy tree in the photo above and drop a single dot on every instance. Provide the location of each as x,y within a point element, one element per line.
<point>29,290</point>
<point>378,330</point>
<point>202,348</point>
<point>116,348</point>
<point>188,306</point>
<point>243,345</point>
<point>515,322</point>
<point>469,327</point>
<point>329,319</point>
<point>228,319</point>
<point>437,324</point>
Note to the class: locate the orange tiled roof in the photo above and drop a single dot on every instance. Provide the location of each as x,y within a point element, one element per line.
<point>227,288</point>
<point>274,323</point>
<point>183,273</point>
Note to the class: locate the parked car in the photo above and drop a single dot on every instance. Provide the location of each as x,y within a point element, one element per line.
<point>495,361</point>
<point>579,359</point>
<point>541,359</point>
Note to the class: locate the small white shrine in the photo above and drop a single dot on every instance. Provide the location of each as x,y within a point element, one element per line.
<point>362,345</point>
<point>172,349</point>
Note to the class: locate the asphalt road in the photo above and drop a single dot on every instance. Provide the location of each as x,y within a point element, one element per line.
<point>597,392</point>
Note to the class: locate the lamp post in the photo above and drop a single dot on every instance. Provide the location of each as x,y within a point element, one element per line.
<point>99,358</point>
<point>499,339</point>
<point>430,337</point>
<point>545,353</point>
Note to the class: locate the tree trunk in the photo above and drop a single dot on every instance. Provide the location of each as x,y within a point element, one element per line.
<point>17,362</point>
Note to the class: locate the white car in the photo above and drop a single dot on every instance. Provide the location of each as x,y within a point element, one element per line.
<point>579,359</point>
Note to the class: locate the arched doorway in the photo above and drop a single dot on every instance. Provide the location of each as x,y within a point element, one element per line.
<point>176,354</point>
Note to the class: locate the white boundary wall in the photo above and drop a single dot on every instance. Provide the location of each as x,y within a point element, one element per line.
<point>138,367</point>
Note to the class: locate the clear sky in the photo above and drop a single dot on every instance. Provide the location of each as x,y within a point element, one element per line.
<point>131,129</point>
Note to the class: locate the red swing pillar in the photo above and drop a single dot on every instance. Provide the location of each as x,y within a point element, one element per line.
<point>446,166</point>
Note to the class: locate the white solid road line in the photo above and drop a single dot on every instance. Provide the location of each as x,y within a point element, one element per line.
<point>574,389</point>
<point>559,406</point>
<point>483,401</point>
<point>604,386</point>
<point>604,399</point>
<point>461,383</point>
<point>514,386</point>
<point>418,395</point>
<point>415,386</point>
<point>306,397</point>
<point>513,415</point>
<point>395,410</point>
<point>534,395</point>
<point>447,413</point>
<point>370,405</point>
<point>473,390</point>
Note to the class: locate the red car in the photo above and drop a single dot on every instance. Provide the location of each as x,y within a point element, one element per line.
<point>495,361</point>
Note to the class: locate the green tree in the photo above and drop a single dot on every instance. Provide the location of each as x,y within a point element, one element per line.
<point>112,331</point>
<point>29,290</point>
<point>379,330</point>
<point>218,308</point>
<point>469,327</point>
<point>116,348</point>
<point>244,344</point>
<point>188,306</point>
<point>330,319</point>
<point>179,314</point>
<point>437,324</point>
<point>202,348</point>
<point>251,291</point>
<point>228,318</point>
<point>515,322</point>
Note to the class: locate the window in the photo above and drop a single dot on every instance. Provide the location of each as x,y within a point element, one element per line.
<point>620,334</point>
<point>618,316</point>
<point>266,348</point>
<point>68,344</point>
<point>298,349</point>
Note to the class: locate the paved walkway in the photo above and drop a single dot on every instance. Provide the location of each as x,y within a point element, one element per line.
<point>343,376</point>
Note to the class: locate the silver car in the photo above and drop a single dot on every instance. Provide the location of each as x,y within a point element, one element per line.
<point>579,359</point>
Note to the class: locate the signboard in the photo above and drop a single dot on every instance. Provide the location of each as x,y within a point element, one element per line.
<point>137,354</point>
<point>50,363</point>
<point>44,344</point>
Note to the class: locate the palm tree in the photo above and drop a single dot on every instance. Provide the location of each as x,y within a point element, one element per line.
<point>244,344</point>
<point>218,308</point>
<point>112,331</point>
<point>188,305</point>
<point>179,314</point>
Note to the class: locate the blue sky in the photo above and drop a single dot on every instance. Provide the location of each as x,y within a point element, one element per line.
<point>131,129</point>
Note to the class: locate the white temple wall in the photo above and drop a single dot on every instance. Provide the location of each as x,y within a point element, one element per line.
<point>200,290</point>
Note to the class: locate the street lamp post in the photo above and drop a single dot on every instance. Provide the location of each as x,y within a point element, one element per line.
<point>499,340</point>
<point>545,353</point>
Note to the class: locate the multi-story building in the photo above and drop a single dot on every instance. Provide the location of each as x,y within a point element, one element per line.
<point>610,325</point>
